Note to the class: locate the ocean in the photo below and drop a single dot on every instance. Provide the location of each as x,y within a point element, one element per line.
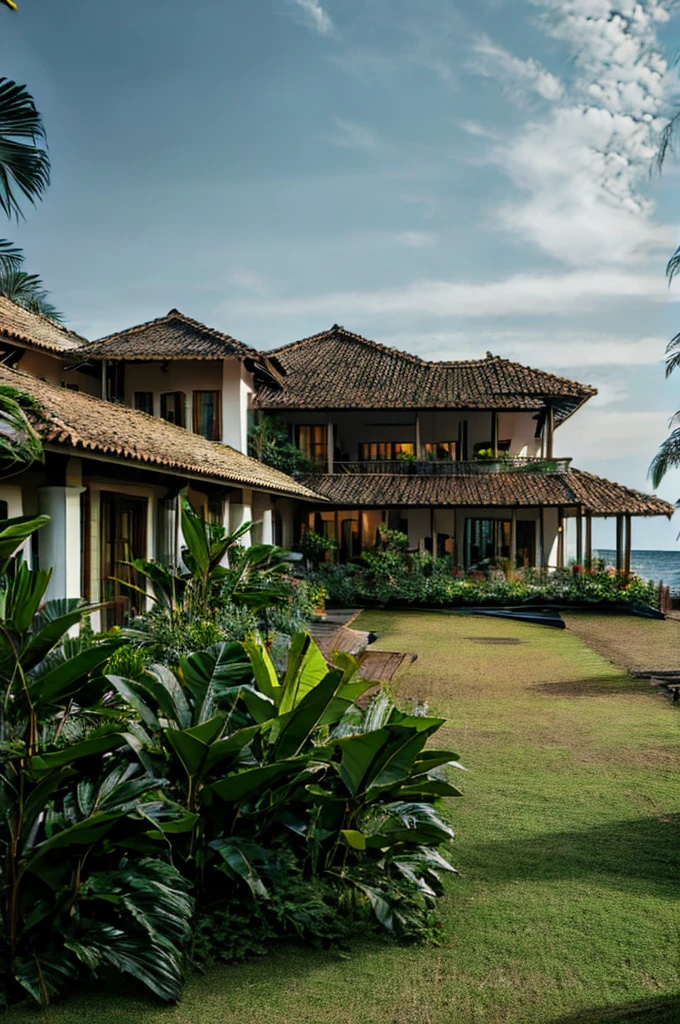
<point>650,565</point>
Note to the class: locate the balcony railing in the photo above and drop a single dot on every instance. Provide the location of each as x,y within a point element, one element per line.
<point>434,467</point>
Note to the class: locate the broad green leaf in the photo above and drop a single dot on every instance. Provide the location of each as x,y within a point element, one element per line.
<point>297,726</point>
<point>211,673</point>
<point>84,833</point>
<point>166,690</point>
<point>263,669</point>
<point>430,789</point>
<point>358,754</point>
<point>231,746</point>
<point>13,533</point>
<point>246,784</point>
<point>236,860</point>
<point>126,688</point>
<point>355,840</point>
<point>40,765</point>
<point>68,677</point>
<point>306,667</point>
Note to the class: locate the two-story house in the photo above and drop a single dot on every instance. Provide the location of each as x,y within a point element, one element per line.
<point>124,439</point>
<point>458,455</point>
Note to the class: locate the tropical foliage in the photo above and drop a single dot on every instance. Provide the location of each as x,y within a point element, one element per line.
<point>270,443</point>
<point>147,811</point>
<point>393,576</point>
<point>222,591</point>
<point>19,444</point>
<point>27,290</point>
<point>87,881</point>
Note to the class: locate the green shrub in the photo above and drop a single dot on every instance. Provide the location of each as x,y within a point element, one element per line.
<point>392,576</point>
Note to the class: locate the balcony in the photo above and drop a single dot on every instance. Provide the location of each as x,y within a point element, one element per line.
<point>433,467</point>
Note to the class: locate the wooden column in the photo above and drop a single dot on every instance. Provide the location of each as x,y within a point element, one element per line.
<point>541,539</point>
<point>560,539</point>
<point>419,444</point>
<point>330,443</point>
<point>494,434</point>
<point>589,541</point>
<point>619,542</point>
<point>628,545</point>
<point>513,544</point>
<point>549,431</point>
<point>579,539</point>
<point>337,535</point>
<point>104,395</point>
<point>432,537</point>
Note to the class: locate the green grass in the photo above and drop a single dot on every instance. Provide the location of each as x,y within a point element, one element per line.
<point>568,835</point>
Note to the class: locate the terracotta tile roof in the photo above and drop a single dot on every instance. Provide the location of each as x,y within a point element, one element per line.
<point>340,370</point>
<point>174,336</point>
<point>88,424</point>
<point>34,330</point>
<point>499,490</point>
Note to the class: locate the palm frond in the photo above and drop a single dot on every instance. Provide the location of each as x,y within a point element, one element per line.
<point>19,443</point>
<point>667,457</point>
<point>667,142</point>
<point>672,355</point>
<point>10,3</point>
<point>24,165</point>
<point>11,258</point>
<point>28,290</point>
<point>673,265</point>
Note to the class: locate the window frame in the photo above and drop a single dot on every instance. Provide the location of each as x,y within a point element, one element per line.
<point>183,406</point>
<point>141,408</point>
<point>195,411</point>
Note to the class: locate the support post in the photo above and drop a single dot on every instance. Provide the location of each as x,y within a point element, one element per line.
<point>541,539</point>
<point>432,537</point>
<point>629,545</point>
<point>419,444</point>
<point>60,542</point>
<point>513,544</point>
<point>104,395</point>
<point>494,433</point>
<point>560,539</point>
<point>549,432</point>
<point>579,539</point>
<point>619,542</point>
<point>337,535</point>
<point>589,541</point>
<point>330,445</point>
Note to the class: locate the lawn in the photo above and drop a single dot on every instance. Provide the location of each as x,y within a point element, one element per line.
<point>568,840</point>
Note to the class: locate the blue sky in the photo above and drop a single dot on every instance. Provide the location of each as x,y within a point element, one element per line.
<point>446,177</point>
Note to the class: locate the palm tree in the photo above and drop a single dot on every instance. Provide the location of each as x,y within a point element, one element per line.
<point>24,163</point>
<point>668,455</point>
<point>27,290</point>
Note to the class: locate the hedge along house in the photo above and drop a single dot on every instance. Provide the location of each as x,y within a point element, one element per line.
<point>112,475</point>
<point>458,455</point>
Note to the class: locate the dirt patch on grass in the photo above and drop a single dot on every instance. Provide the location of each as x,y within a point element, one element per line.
<point>634,644</point>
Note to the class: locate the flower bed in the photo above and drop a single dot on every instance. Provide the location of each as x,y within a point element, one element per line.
<point>399,579</point>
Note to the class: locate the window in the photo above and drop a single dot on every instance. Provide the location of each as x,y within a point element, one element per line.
<point>385,451</point>
<point>442,451</point>
<point>207,414</point>
<point>313,441</point>
<point>143,401</point>
<point>172,407</point>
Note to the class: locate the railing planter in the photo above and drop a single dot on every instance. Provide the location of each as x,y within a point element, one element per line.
<point>432,467</point>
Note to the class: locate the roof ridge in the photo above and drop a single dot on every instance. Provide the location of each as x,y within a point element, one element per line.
<point>339,329</point>
<point>176,314</point>
<point>433,363</point>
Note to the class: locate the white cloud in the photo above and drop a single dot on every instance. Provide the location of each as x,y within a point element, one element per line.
<point>477,129</point>
<point>250,281</point>
<point>415,239</point>
<point>494,61</point>
<point>521,294</point>
<point>581,168</point>
<point>351,135</point>
<point>607,434</point>
<point>316,16</point>
<point>554,350</point>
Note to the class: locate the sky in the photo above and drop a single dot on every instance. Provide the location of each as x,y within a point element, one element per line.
<point>449,177</point>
